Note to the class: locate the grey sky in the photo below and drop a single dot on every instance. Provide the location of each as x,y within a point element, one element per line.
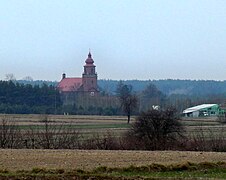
<point>129,39</point>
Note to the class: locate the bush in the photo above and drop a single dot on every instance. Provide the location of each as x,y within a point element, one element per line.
<point>157,129</point>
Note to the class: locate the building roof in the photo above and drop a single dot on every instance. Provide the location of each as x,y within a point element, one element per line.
<point>70,84</point>
<point>197,108</point>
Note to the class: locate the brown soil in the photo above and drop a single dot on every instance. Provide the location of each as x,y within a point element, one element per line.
<point>88,159</point>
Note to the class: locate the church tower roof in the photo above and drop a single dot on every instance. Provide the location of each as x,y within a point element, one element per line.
<point>89,60</point>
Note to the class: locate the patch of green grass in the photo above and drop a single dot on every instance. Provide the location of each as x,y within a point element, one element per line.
<point>175,171</point>
<point>213,173</point>
<point>4,171</point>
<point>102,126</point>
<point>185,170</point>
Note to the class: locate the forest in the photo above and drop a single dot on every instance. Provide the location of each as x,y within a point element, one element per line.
<point>171,86</point>
<point>166,86</point>
<point>17,98</point>
<point>42,97</point>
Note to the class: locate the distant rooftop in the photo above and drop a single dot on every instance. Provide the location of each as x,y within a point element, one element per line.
<point>70,84</point>
<point>197,108</point>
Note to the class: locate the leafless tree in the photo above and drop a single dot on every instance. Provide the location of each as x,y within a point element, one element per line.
<point>9,133</point>
<point>28,78</point>
<point>10,77</point>
<point>128,100</point>
<point>53,136</point>
<point>157,128</point>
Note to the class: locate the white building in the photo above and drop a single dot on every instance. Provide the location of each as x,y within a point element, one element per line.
<point>202,110</point>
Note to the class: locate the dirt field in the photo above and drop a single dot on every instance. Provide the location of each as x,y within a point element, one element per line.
<point>78,159</point>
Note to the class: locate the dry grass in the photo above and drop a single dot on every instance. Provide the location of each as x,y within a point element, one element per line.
<point>84,123</point>
<point>89,159</point>
<point>35,119</point>
<point>26,159</point>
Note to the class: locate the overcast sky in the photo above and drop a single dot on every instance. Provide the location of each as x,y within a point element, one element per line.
<point>129,39</point>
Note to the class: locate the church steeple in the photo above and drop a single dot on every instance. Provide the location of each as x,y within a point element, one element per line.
<point>89,55</point>
<point>89,76</point>
<point>89,60</point>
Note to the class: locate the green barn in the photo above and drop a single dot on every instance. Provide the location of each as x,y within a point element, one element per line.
<point>203,110</point>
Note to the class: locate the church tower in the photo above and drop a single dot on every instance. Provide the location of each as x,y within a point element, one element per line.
<point>89,76</point>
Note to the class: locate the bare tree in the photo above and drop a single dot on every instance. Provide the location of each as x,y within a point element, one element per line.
<point>53,136</point>
<point>28,78</point>
<point>9,133</point>
<point>151,96</point>
<point>157,128</point>
<point>128,100</point>
<point>10,77</point>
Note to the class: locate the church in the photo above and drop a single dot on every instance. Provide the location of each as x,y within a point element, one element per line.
<point>81,95</point>
<point>85,85</point>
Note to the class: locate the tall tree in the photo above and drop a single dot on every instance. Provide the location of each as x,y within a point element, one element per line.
<point>127,99</point>
<point>151,96</point>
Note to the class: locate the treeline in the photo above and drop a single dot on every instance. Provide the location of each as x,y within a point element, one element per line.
<point>167,86</point>
<point>171,86</point>
<point>35,98</point>
<point>180,94</point>
<point>16,98</point>
<point>37,82</point>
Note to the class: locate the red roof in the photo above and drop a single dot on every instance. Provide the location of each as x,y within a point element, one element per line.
<point>70,84</point>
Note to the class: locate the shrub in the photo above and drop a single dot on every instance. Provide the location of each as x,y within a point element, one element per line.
<point>157,129</point>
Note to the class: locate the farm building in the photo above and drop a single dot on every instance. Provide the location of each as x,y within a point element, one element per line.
<point>203,110</point>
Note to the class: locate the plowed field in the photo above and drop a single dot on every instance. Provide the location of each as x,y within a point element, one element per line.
<point>88,159</point>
